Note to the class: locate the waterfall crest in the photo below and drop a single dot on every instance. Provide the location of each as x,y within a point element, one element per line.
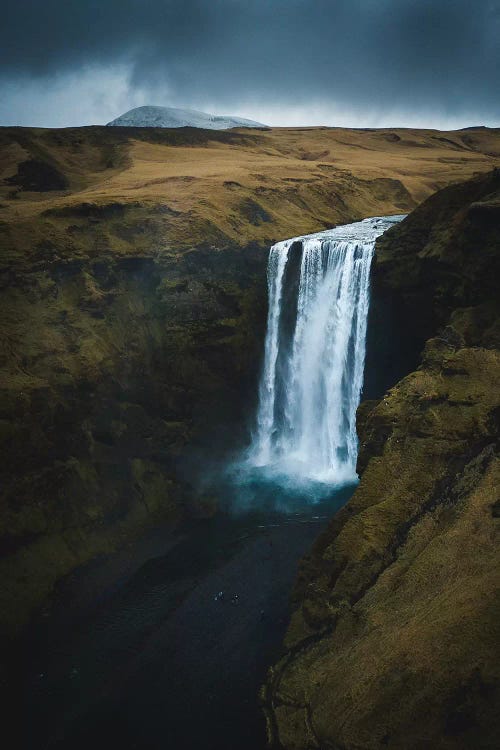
<point>312,378</point>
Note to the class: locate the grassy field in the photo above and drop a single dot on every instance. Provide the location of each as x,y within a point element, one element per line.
<point>230,187</point>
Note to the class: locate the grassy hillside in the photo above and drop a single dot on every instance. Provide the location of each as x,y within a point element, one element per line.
<point>224,188</point>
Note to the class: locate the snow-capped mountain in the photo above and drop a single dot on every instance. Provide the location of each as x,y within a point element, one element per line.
<point>170,117</point>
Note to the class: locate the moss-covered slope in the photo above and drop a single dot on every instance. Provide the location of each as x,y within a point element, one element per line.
<point>394,638</point>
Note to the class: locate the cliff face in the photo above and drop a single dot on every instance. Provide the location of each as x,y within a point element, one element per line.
<point>112,367</point>
<point>393,641</point>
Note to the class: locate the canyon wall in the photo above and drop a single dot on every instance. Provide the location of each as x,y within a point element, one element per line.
<point>394,637</point>
<point>116,369</point>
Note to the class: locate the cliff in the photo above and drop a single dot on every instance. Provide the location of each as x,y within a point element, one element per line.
<point>394,638</point>
<point>132,313</point>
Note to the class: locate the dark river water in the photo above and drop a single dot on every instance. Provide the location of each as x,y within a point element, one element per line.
<point>166,646</point>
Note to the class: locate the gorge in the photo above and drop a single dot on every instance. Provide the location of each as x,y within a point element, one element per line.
<point>133,323</point>
<point>133,312</point>
<point>230,574</point>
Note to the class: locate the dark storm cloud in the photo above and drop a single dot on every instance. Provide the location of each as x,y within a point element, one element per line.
<point>403,54</point>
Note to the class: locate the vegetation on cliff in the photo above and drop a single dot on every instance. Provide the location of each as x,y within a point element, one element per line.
<point>394,638</point>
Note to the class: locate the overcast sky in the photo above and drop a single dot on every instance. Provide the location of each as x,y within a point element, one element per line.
<point>364,63</point>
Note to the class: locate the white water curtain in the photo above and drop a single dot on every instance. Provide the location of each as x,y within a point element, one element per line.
<point>311,383</point>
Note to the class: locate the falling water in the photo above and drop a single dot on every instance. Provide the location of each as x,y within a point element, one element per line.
<point>314,357</point>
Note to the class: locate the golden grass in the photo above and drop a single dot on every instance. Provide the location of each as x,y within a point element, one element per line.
<point>301,180</point>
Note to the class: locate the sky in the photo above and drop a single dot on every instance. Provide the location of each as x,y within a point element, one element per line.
<point>359,63</point>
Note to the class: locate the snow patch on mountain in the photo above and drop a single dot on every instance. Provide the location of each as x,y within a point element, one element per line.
<point>171,117</point>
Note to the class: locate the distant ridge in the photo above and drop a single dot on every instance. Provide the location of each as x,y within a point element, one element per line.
<point>171,117</point>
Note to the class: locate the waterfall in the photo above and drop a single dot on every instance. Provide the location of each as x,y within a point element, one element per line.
<point>314,356</point>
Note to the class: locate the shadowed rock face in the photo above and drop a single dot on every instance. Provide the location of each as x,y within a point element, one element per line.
<point>393,641</point>
<point>112,367</point>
